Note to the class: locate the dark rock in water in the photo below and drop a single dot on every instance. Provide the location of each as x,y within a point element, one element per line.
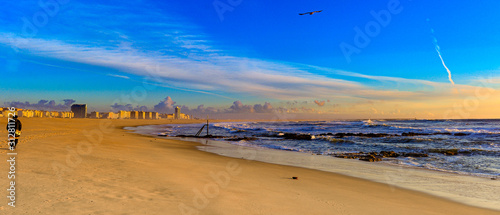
<point>460,134</point>
<point>415,155</point>
<point>238,131</point>
<point>466,152</point>
<point>376,135</point>
<point>206,136</point>
<point>341,135</point>
<point>410,134</point>
<point>370,158</point>
<point>350,155</point>
<point>273,134</point>
<point>325,134</point>
<point>374,156</point>
<point>445,151</point>
<point>442,133</point>
<point>187,136</point>
<point>242,138</point>
<point>390,154</point>
<point>451,152</point>
<point>336,140</point>
<point>214,136</point>
<point>298,136</point>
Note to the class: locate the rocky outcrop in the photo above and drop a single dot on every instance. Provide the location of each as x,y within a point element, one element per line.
<point>371,158</point>
<point>242,139</point>
<point>298,136</point>
<point>446,151</point>
<point>414,155</point>
<point>378,156</point>
<point>389,154</point>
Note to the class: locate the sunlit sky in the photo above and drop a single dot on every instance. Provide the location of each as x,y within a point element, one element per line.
<point>355,59</point>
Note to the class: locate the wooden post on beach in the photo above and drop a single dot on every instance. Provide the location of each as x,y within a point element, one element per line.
<point>207,125</point>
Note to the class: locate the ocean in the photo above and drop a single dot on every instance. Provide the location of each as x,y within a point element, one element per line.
<point>470,147</point>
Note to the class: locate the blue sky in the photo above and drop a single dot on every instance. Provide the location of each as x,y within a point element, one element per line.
<point>251,51</point>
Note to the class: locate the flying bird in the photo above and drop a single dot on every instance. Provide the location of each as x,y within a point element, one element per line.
<point>310,13</point>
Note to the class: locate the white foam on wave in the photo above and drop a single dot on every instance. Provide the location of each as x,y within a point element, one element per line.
<point>470,130</point>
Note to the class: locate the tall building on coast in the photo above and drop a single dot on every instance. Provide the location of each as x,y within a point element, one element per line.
<point>95,115</point>
<point>141,115</point>
<point>177,114</point>
<point>122,114</point>
<point>134,114</point>
<point>80,110</point>
<point>155,115</point>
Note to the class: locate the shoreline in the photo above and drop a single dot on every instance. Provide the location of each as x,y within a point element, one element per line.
<point>402,176</point>
<point>393,175</point>
<point>123,172</point>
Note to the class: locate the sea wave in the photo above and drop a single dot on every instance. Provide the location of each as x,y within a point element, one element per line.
<point>475,140</point>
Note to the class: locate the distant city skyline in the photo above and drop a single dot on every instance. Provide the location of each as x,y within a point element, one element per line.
<point>355,59</point>
<point>166,106</point>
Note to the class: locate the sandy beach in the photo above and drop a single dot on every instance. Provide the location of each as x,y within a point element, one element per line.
<point>87,166</point>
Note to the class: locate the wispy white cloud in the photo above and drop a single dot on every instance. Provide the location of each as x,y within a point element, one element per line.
<point>119,76</point>
<point>438,50</point>
<point>219,73</point>
<point>378,78</point>
<point>442,61</point>
<point>179,56</point>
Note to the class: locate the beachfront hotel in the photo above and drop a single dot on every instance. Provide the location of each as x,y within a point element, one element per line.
<point>134,114</point>
<point>155,115</point>
<point>109,115</point>
<point>176,115</point>
<point>4,112</point>
<point>94,115</point>
<point>122,114</point>
<point>177,112</point>
<point>141,115</point>
<point>80,110</point>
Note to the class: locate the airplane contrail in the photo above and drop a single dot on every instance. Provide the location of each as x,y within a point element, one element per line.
<point>441,57</point>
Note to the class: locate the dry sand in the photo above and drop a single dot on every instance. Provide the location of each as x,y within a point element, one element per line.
<point>60,171</point>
